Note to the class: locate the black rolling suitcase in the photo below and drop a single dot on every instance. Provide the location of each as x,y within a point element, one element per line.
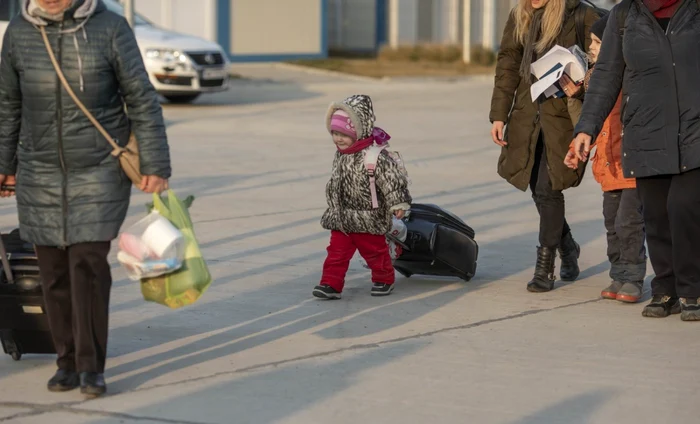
<point>438,243</point>
<point>24,326</point>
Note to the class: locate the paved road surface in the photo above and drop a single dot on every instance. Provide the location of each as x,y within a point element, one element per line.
<point>258,349</point>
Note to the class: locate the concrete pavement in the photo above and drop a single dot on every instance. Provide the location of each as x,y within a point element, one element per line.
<point>258,349</point>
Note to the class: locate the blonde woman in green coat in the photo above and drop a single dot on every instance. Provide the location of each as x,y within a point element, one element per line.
<point>535,136</point>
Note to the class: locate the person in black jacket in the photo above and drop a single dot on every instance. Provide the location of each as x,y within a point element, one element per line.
<point>72,194</point>
<point>651,50</point>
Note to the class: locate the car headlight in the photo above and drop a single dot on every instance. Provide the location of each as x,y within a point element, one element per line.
<point>168,56</point>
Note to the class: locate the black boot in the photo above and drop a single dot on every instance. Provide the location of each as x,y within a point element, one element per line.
<point>662,306</point>
<point>543,281</point>
<point>63,381</point>
<point>690,309</point>
<point>92,384</point>
<point>569,251</point>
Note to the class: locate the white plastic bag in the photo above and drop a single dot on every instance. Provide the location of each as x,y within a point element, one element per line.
<point>398,229</point>
<point>150,248</point>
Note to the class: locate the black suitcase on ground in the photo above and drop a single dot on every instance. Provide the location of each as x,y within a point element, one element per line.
<point>24,326</point>
<point>438,243</point>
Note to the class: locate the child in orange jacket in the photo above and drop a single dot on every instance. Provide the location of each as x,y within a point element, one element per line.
<point>622,207</point>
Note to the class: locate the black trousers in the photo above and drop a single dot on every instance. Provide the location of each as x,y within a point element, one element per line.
<point>77,283</point>
<point>549,202</point>
<point>672,215</point>
<point>624,222</point>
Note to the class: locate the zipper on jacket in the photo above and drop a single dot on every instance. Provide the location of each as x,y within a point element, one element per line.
<point>530,150</point>
<point>675,78</point>
<point>59,129</point>
<point>544,143</point>
<point>624,115</point>
<point>671,21</point>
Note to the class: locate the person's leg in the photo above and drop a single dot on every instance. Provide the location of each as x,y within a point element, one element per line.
<point>550,205</point>
<point>375,251</point>
<point>340,252</point>
<point>632,266</point>
<point>91,282</point>
<point>53,270</point>
<point>684,218</point>
<point>654,194</point>
<point>611,204</point>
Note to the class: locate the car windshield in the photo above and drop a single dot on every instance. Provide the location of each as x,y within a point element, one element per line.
<point>117,8</point>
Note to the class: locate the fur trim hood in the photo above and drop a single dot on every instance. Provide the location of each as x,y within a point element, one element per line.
<point>82,9</point>
<point>361,112</point>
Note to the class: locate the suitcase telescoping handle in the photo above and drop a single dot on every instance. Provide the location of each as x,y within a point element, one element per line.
<point>399,242</point>
<point>6,263</point>
<point>3,253</point>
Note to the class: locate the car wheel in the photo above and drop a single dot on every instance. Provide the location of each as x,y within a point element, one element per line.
<point>181,99</point>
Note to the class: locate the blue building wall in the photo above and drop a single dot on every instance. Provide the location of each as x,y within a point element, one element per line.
<point>382,33</point>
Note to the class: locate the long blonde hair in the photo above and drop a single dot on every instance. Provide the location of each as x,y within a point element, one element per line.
<point>552,21</point>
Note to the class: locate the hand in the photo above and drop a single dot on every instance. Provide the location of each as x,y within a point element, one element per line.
<point>570,88</point>
<point>153,184</point>
<point>571,160</point>
<point>497,133</point>
<point>582,146</point>
<point>8,180</point>
<point>399,214</point>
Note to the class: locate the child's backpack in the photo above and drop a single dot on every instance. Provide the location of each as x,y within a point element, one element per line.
<point>371,157</point>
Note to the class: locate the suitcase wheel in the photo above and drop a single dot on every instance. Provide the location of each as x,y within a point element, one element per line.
<point>16,356</point>
<point>404,272</point>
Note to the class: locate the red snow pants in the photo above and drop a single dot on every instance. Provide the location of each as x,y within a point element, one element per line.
<point>373,249</point>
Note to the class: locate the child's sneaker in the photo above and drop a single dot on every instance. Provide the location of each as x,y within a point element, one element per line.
<point>379,289</point>
<point>630,292</point>
<point>610,292</point>
<point>326,292</point>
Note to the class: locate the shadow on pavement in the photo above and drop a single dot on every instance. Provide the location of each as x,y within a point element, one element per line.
<point>574,410</point>
<point>281,310</point>
<point>273,394</point>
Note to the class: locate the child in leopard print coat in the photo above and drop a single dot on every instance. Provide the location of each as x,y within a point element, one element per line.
<point>355,223</point>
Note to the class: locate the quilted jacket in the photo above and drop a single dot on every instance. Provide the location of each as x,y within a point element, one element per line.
<point>657,72</point>
<point>69,188</point>
<point>526,120</point>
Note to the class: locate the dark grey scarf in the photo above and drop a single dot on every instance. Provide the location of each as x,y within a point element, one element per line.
<point>533,35</point>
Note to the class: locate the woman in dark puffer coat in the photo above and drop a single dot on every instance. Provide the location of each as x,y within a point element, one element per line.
<point>651,50</point>
<point>72,195</point>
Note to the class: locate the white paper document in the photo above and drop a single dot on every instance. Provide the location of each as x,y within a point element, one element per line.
<point>559,55</point>
<point>552,66</point>
<point>546,84</point>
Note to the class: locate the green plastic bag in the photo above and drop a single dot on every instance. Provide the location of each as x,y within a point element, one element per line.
<point>188,284</point>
